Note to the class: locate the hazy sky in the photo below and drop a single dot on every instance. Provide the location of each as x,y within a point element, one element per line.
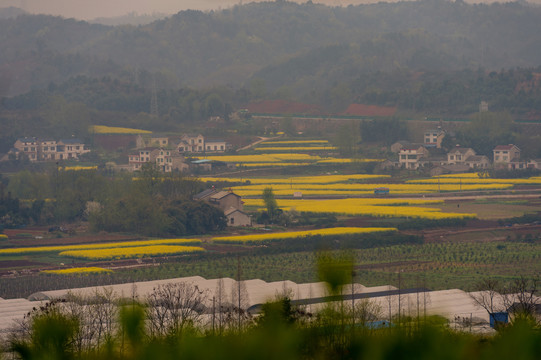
<point>90,9</point>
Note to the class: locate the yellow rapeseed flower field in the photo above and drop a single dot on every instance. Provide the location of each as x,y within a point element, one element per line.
<point>295,142</point>
<point>294,148</point>
<point>123,244</point>
<point>131,252</point>
<point>462,175</point>
<point>473,180</point>
<point>261,158</point>
<point>102,129</point>
<point>3,237</point>
<point>78,168</point>
<point>245,190</point>
<point>78,270</point>
<point>368,207</point>
<point>322,179</point>
<point>298,234</point>
<point>346,161</point>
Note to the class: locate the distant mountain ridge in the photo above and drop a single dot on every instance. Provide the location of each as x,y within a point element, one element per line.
<point>283,46</point>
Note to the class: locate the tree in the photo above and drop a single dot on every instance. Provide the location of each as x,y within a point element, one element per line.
<point>175,307</point>
<point>270,203</point>
<point>347,139</point>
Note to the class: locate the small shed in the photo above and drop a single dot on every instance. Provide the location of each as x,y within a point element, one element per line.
<point>498,318</point>
<point>236,217</point>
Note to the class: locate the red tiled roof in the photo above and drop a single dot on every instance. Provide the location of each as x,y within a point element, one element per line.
<point>504,147</point>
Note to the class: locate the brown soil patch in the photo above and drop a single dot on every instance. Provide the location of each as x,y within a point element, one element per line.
<point>10,264</point>
<point>71,240</point>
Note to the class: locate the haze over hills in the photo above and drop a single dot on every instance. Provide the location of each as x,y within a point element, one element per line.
<point>86,10</point>
<point>385,54</point>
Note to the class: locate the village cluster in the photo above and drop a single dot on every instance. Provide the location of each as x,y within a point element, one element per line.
<point>460,159</point>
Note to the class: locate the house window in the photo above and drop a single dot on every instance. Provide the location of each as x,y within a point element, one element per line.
<point>232,221</point>
<point>215,147</point>
<point>25,149</point>
<point>452,157</point>
<point>221,147</point>
<point>200,141</point>
<point>403,157</point>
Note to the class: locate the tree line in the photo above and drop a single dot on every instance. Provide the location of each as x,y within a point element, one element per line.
<point>150,204</point>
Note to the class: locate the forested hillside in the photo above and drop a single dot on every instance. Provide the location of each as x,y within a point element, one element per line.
<point>270,41</point>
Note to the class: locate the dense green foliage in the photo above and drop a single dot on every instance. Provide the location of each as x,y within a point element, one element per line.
<point>153,204</point>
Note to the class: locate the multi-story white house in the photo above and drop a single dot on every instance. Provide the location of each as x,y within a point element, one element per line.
<point>166,160</point>
<point>50,150</point>
<point>433,138</point>
<point>191,143</point>
<point>409,156</point>
<point>459,155</point>
<point>505,154</point>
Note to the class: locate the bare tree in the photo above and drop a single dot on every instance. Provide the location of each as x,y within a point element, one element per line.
<point>366,311</point>
<point>221,307</point>
<point>240,303</point>
<point>521,297</point>
<point>103,314</point>
<point>489,296</point>
<point>174,307</point>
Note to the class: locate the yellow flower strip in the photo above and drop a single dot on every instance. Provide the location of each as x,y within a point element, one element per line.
<point>77,168</point>
<point>344,161</point>
<point>123,244</point>
<point>79,270</point>
<point>131,252</point>
<point>257,193</point>
<point>260,158</point>
<point>323,179</point>
<point>454,180</point>
<point>102,129</point>
<point>412,188</point>
<point>367,207</point>
<point>462,175</point>
<point>296,142</point>
<point>299,234</point>
<point>274,164</point>
<point>346,202</point>
<point>3,237</point>
<point>296,148</point>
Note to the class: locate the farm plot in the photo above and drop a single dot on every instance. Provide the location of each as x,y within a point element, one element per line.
<point>295,235</point>
<point>367,207</point>
<point>131,252</point>
<point>114,245</point>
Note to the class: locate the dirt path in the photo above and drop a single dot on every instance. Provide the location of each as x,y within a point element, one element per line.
<point>261,139</point>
